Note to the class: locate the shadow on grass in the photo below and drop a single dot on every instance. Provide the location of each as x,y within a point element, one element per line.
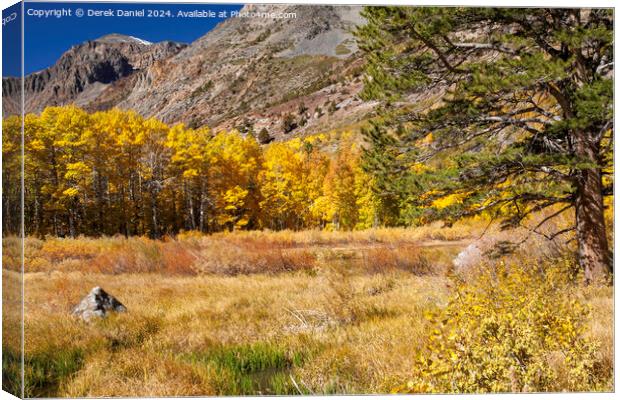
<point>44,372</point>
<point>11,371</point>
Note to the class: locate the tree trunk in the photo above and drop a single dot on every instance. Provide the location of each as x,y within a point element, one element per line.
<point>201,223</point>
<point>154,222</point>
<point>37,216</point>
<point>100,229</point>
<point>192,217</point>
<point>7,214</point>
<point>71,223</point>
<point>175,226</point>
<point>594,255</point>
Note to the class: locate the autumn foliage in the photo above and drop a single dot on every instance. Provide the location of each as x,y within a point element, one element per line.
<point>115,172</point>
<point>516,327</point>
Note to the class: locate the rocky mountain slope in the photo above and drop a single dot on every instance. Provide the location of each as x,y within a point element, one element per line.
<point>287,75</point>
<point>87,70</point>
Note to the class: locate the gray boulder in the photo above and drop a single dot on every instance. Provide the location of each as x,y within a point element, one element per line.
<point>484,251</point>
<point>468,257</point>
<point>98,303</point>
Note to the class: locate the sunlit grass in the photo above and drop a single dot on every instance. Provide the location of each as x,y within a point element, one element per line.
<point>227,335</point>
<point>245,313</point>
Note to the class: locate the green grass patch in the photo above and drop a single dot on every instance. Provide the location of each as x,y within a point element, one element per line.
<point>45,371</point>
<point>11,371</point>
<point>259,368</point>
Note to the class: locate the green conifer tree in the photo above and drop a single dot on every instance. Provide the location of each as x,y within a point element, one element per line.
<point>518,116</point>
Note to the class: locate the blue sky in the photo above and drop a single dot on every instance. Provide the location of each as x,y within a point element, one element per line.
<point>47,38</point>
<point>11,39</point>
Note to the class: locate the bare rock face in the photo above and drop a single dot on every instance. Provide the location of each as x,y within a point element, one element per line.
<point>85,71</point>
<point>98,303</point>
<point>250,69</point>
<point>260,69</point>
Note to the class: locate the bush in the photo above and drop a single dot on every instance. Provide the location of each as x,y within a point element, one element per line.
<point>302,109</point>
<point>383,259</point>
<point>246,127</point>
<point>511,329</point>
<point>264,137</point>
<point>288,123</point>
<point>332,108</point>
<point>251,257</point>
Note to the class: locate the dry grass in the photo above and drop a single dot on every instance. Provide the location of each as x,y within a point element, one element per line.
<point>331,331</point>
<point>242,313</point>
<point>436,231</point>
<point>601,302</point>
<point>236,253</point>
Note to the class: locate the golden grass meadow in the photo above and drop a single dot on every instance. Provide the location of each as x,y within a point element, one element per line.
<point>264,313</point>
<point>361,200</point>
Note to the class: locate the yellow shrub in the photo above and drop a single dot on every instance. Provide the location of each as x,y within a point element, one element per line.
<point>513,328</point>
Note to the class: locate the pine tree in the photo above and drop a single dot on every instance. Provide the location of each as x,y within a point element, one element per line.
<point>518,117</point>
<point>302,109</point>
<point>288,123</point>
<point>264,137</point>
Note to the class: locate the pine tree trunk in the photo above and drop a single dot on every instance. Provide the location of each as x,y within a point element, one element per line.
<point>594,255</point>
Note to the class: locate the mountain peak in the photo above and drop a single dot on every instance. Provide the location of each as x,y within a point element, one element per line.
<point>86,70</point>
<point>272,61</point>
<point>120,38</point>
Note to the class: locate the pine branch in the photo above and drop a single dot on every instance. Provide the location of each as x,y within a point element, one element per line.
<point>519,122</point>
<point>442,57</point>
<point>552,216</point>
<point>486,46</point>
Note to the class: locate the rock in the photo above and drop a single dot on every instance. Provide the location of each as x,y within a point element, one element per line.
<point>468,257</point>
<point>485,251</point>
<point>85,72</point>
<point>98,303</point>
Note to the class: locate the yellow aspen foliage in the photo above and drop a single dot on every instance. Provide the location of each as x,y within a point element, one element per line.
<point>291,181</point>
<point>234,166</point>
<point>114,172</point>
<point>448,200</point>
<point>502,330</point>
<point>340,198</point>
<point>11,173</point>
<point>347,201</point>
